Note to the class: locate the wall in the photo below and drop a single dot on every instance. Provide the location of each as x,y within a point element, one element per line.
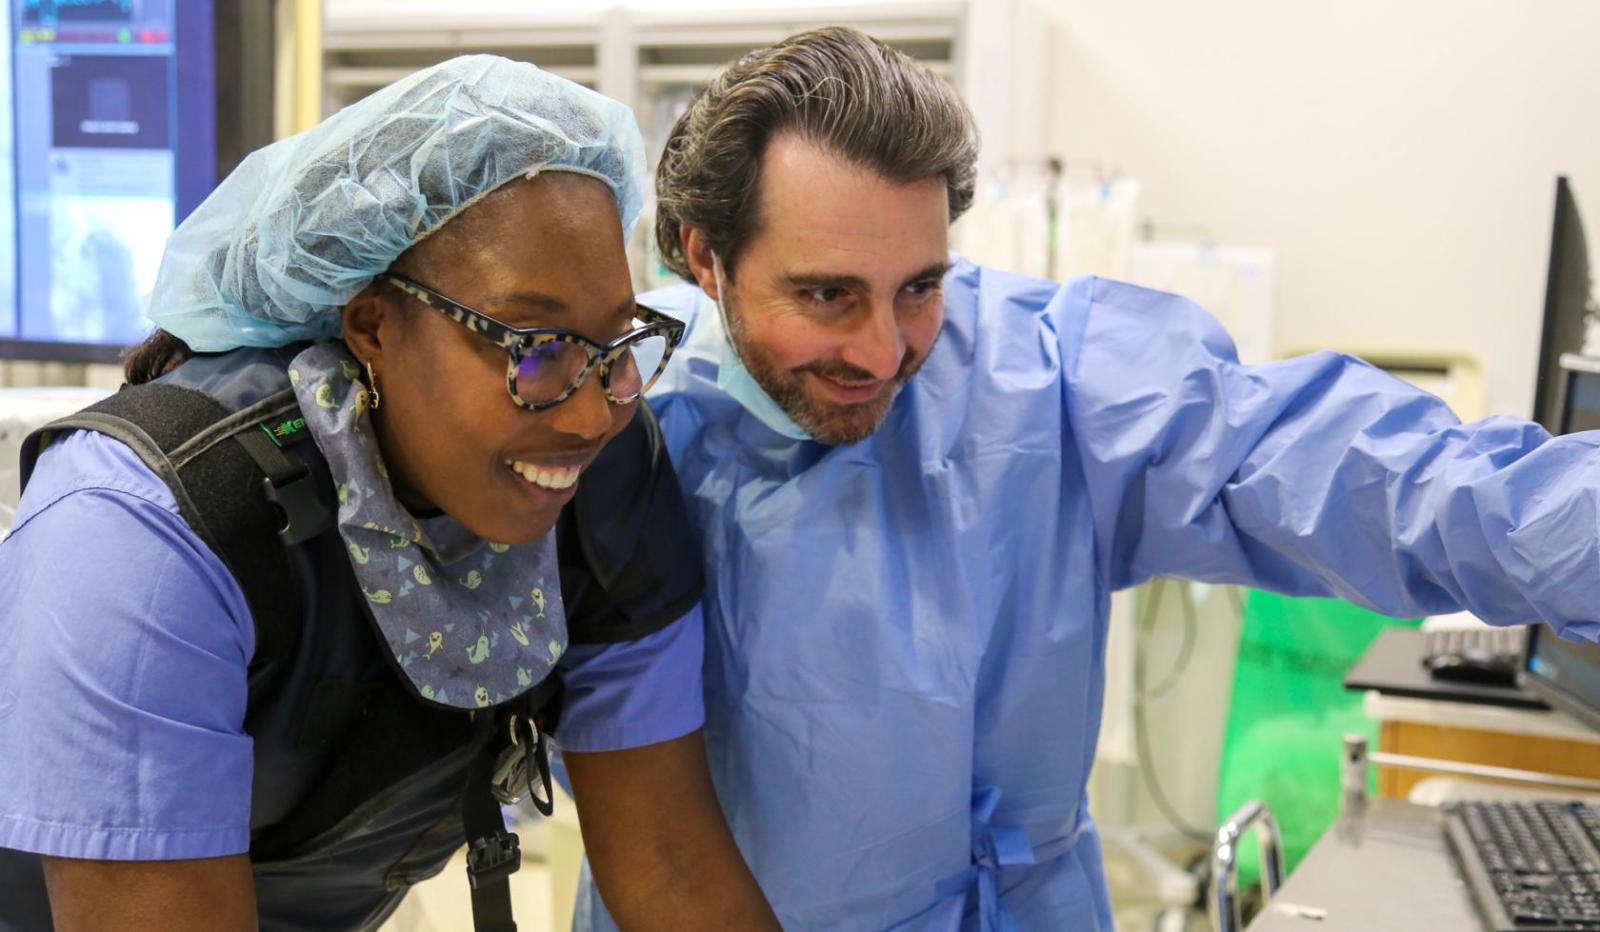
<point>1400,156</point>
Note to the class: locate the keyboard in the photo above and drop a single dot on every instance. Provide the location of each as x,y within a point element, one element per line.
<point>1487,656</point>
<point>1531,866</point>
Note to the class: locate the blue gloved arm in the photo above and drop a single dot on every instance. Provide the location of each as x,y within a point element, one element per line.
<point>1316,476</point>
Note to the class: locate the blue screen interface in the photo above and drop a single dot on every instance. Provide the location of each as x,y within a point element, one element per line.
<point>110,144</point>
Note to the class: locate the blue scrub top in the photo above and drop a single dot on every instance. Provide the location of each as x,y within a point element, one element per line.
<point>124,644</point>
<point>905,637</point>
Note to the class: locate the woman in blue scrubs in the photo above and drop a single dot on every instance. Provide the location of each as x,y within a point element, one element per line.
<point>432,284</point>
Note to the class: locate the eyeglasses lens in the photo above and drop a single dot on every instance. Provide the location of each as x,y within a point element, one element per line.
<point>547,370</point>
<point>635,369</point>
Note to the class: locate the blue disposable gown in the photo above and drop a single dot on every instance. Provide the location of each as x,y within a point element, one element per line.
<point>905,637</point>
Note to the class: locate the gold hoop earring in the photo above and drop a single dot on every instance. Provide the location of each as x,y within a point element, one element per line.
<point>372,387</point>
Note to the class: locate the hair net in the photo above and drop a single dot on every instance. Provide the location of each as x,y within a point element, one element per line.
<point>304,224</point>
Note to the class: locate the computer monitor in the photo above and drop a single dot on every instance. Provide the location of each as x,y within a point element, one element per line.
<point>1563,673</point>
<point>1567,400</point>
<point>1566,305</point>
<point>1581,407</point>
<point>123,114</point>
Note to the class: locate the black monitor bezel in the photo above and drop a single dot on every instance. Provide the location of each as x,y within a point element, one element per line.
<point>1560,331</point>
<point>243,37</point>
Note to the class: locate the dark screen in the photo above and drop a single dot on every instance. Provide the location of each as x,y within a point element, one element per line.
<point>1583,403</point>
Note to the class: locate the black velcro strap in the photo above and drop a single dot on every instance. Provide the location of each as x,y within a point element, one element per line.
<point>493,853</point>
<point>630,563</point>
<point>218,494</point>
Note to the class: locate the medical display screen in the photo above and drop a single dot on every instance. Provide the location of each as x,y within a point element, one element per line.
<point>112,142</point>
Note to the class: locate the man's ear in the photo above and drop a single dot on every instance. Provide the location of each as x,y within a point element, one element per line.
<point>364,319</point>
<point>697,252</point>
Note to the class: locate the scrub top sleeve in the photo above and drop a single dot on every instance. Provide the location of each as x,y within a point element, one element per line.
<point>1320,475</point>
<point>633,693</point>
<point>123,652</point>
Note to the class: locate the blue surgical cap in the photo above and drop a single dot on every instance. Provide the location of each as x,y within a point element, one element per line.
<point>287,239</point>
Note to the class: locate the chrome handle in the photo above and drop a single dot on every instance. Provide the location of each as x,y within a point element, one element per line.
<point>1223,903</point>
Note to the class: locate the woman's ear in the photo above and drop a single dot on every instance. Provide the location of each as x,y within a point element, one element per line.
<point>363,319</point>
<point>697,253</point>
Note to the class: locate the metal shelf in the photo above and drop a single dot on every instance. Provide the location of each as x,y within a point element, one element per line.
<point>626,53</point>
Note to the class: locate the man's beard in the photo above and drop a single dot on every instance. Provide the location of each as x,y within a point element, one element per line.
<point>828,422</point>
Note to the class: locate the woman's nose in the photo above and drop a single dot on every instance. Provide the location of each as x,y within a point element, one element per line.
<point>587,413</point>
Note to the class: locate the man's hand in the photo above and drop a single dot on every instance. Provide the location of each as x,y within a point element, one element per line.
<point>659,848</point>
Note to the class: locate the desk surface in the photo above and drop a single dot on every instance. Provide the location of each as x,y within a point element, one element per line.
<point>1388,868</point>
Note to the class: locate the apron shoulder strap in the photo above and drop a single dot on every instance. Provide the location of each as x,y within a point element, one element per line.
<point>207,455</point>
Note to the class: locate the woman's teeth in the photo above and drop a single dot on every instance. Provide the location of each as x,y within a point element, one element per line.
<point>555,478</point>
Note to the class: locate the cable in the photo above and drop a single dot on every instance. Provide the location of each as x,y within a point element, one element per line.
<point>1236,596</point>
<point>1180,665</point>
<point>1141,732</point>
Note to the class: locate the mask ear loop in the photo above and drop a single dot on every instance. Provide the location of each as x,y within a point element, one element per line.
<point>722,307</point>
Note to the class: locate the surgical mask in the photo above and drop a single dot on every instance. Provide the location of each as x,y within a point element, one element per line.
<point>736,380</point>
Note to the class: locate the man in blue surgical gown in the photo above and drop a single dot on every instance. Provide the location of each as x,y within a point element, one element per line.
<point>918,483</point>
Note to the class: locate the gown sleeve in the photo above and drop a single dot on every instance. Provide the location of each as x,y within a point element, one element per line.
<point>1320,475</point>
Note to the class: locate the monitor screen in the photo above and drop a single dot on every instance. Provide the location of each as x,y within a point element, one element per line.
<point>113,141</point>
<point>1583,402</point>
<point>1565,674</point>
